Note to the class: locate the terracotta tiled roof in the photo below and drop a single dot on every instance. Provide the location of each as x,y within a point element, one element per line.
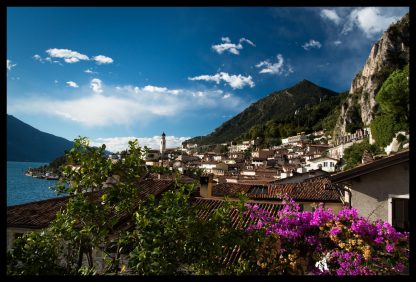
<point>39,214</point>
<point>35,214</point>
<point>154,186</point>
<point>230,189</point>
<point>309,190</point>
<point>207,208</point>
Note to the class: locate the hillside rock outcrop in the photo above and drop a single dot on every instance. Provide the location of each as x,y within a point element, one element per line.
<point>391,52</point>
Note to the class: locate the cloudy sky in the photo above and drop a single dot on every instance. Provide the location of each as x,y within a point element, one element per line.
<point>113,74</point>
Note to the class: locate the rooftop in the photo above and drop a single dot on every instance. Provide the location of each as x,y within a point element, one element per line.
<point>312,189</point>
<point>39,214</point>
<point>375,165</point>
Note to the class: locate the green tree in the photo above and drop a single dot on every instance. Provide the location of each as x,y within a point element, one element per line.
<point>393,99</point>
<point>87,222</point>
<point>384,127</point>
<point>393,96</point>
<point>35,254</point>
<point>353,155</point>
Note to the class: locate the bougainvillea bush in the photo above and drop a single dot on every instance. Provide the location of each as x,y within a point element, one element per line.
<point>320,242</point>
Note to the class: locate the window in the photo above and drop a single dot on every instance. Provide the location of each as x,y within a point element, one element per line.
<point>331,164</point>
<point>400,219</point>
<point>325,164</point>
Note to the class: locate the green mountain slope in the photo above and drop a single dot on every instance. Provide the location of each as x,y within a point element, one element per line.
<point>310,102</point>
<point>28,144</point>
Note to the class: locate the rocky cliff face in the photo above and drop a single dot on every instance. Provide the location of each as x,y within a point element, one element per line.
<point>388,54</point>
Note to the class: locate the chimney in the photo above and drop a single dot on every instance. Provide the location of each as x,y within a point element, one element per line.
<point>206,185</point>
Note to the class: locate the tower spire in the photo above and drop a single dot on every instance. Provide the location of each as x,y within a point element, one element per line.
<point>162,144</point>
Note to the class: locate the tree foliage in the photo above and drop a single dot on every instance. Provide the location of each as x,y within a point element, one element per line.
<point>393,99</point>
<point>166,236</point>
<point>393,96</point>
<point>353,155</point>
<point>35,254</point>
<point>87,221</point>
<point>384,128</point>
<point>169,234</point>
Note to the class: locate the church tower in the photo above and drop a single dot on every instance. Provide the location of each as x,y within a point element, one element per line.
<point>162,144</point>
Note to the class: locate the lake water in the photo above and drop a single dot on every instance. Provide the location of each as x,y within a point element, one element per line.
<point>23,189</point>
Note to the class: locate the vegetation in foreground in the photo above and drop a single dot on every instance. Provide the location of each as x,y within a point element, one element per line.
<point>168,236</point>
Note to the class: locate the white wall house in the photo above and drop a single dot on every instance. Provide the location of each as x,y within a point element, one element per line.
<point>217,158</point>
<point>208,167</point>
<point>239,148</point>
<point>325,163</point>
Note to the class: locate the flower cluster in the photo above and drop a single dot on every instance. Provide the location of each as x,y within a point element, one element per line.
<point>345,243</point>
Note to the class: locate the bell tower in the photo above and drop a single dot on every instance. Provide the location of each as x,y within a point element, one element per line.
<point>162,144</point>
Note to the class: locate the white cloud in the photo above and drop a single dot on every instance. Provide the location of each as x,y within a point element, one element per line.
<point>248,41</point>
<point>370,20</point>
<point>72,84</point>
<point>69,56</point>
<point>90,71</point>
<point>230,47</point>
<point>206,77</point>
<point>100,59</point>
<point>235,81</point>
<point>127,105</point>
<point>331,15</point>
<point>226,39</point>
<point>226,96</point>
<point>311,44</point>
<point>10,65</point>
<point>56,81</point>
<point>37,58</point>
<point>289,70</point>
<point>96,85</point>
<point>152,89</point>
<point>118,144</point>
<point>275,68</point>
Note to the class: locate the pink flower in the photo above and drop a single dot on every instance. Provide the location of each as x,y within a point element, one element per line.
<point>335,231</point>
<point>389,247</point>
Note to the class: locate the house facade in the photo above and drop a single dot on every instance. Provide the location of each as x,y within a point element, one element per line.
<point>325,163</point>
<point>379,189</point>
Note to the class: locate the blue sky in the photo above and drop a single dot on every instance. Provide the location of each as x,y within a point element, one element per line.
<point>113,73</point>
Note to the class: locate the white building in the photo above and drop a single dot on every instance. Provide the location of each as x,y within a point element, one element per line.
<point>325,163</point>
<point>239,148</point>
<point>208,166</point>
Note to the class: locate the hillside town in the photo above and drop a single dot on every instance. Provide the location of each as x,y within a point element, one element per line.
<point>302,168</point>
<point>302,154</point>
<point>309,162</point>
<point>304,181</point>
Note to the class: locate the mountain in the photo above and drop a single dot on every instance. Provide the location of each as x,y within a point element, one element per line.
<point>28,144</point>
<point>388,54</point>
<point>281,106</point>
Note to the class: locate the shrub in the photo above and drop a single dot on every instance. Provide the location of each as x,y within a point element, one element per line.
<point>324,243</point>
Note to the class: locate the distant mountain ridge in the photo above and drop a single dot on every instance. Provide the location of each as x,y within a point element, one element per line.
<point>278,105</point>
<point>28,144</point>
